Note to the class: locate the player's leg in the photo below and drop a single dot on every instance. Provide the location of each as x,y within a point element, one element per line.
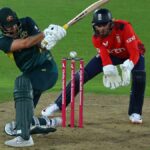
<point>23,96</point>
<point>137,92</point>
<point>42,79</point>
<point>36,96</point>
<point>93,68</point>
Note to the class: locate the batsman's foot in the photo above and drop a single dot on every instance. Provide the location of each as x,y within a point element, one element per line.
<point>20,142</point>
<point>135,118</point>
<point>50,110</point>
<point>10,128</point>
<point>41,130</point>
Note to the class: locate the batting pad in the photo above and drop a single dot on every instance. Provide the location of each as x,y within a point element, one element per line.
<point>23,96</point>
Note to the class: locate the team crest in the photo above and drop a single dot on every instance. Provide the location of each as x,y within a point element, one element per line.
<point>23,34</point>
<point>118,39</point>
<point>10,18</point>
<point>99,16</point>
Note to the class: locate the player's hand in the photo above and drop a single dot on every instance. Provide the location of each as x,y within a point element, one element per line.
<point>126,69</point>
<point>56,31</point>
<point>111,77</point>
<point>48,42</point>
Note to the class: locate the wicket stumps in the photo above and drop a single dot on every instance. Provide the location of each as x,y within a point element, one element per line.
<point>72,103</point>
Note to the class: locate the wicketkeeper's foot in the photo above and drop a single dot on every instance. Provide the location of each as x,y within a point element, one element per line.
<point>50,110</point>
<point>135,118</point>
<point>20,142</point>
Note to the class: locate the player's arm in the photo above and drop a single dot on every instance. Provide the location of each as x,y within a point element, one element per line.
<point>132,47</point>
<point>30,41</point>
<point>111,78</point>
<point>131,43</point>
<point>36,36</point>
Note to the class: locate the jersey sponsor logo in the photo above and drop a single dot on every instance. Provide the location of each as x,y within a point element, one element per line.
<point>116,50</point>
<point>129,40</point>
<point>105,43</point>
<point>43,70</point>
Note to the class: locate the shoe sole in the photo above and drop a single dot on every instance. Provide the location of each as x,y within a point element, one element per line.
<point>19,145</point>
<point>39,130</point>
<point>136,122</point>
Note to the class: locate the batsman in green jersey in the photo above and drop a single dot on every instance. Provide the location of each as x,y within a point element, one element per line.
<point>30,48</point>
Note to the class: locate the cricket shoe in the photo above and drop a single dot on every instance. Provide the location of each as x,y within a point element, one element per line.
<point>20,142</point>
<point>10,128</point>
<point>45,129</point>
<point>50,110</point>
<point>135,118</point>
<point>56,122</point>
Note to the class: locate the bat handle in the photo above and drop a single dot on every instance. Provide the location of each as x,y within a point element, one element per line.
<point>66,26</point>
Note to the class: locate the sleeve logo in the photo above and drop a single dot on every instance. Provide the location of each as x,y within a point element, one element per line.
<point>129,40</point>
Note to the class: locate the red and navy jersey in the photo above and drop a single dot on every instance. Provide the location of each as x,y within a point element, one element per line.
<point>122,42</point>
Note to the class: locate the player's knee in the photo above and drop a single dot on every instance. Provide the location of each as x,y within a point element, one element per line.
<point>23,88</point>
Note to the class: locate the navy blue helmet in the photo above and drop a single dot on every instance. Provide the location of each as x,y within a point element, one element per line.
<point>101,16</point>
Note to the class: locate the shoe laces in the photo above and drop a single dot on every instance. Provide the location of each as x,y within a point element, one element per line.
<point>19,139</point>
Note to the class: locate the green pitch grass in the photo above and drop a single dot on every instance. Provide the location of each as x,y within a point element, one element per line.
<point>78,38</point>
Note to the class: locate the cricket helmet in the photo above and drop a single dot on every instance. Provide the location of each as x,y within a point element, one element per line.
<point>101,16</point>
<point>8,18</point>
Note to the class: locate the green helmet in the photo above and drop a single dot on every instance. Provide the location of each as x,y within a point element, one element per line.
<point>8,18</point>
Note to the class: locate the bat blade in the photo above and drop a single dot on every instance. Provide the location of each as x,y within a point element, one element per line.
<point>85,12</point>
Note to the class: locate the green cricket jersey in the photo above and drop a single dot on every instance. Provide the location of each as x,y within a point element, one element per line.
<point>29,58</point>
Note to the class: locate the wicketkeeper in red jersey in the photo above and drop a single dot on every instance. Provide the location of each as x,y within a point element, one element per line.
<point>116,44</point>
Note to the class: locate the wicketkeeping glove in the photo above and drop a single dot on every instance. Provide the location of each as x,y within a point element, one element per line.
<point>112,82</point>
<point>111,77</point>
<point>126,69</point>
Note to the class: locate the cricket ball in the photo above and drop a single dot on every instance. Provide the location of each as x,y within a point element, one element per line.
<point>73,54</point>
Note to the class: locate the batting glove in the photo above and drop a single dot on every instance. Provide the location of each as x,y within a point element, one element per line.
<point>126,68</point>
<point>56,31</point>
<point>48,42</point>
<point>52,34</point>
